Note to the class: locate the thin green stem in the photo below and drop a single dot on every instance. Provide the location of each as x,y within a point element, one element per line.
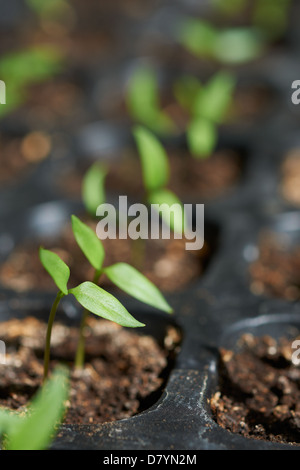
<point>58,298</point>
<point>80,352</point>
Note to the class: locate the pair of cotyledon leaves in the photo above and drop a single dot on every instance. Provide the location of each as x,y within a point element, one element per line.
<point>94,298</point>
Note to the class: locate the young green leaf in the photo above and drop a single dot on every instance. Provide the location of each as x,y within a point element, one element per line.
<point>30,66</point>
<point>137,285</point>
<point>143,101</point>
<point>202,137</point>
<point>154,159</point>
<point>170,209</point>
<point>238,45</point>
<point>56,268</point>
<point>89,243</point>
<point>212,102</point>
<point>199,37</point>
<point>103,304</point>
<point>93,192</point>
<point>35,431</point>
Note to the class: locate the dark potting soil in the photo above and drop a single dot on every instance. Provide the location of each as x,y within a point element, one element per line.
<point>259,390</point>
<point>19,153</point>
<point>276,272</point>
<point>167,262</point>
<point>290,177</point>
<point>124,372</point>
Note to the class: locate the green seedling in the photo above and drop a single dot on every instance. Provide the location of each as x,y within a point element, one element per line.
<point>208,106</point>
<point>90,296</point>
<point>227,46</point>
<point>269,16</point>
<point>93,188</point>
<point>35,428</point>
<point>21,69</point>
<point>143,101</point>
<point>156,175</point>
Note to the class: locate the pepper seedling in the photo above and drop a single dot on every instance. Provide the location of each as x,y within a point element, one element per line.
<point>35,428</point>
<point>143,101</point>
<point>208,105</point>
<point>90,296</point>
<point>21,69</point>
<point>228,46</point>
<point>156,175</point>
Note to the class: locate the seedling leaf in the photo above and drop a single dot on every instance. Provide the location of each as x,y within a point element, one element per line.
<point>212,102</point>
<point>238,45</point>
<point>137,285</point>
<point>185,90</point>
<point>96,300</point>
<point>35,430</point>
<point>56,268</point>
<point>143,101</point>
<point>89,243</point>
<point>170,208</point>
<point>154,159</point>
<point>202,137</point>
<point>93,192</point>
<point>199,37</point>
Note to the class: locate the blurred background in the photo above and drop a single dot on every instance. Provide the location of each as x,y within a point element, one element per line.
<point>210,79</point>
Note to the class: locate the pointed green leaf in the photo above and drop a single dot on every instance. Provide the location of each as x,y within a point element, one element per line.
<point>170,209</point>
<point>137,285</point>
<point>57,269</point>
<point>143,101</point>
<point>35,431</point>
<point>212,102</point>
<point>93,190</point>
<point>89,243</point>
<point>238,45</point>
<point>103,304</point>
<point>199,37</point>
<point>202,137</point>
<point>154,159</point>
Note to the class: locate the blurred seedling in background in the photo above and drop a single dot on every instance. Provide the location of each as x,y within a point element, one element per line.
<point>156,175</point>
<point>269,16</point>
<point>90,296</point>
<point>230,46</point>
<point>19,70</point>
<point>143,101</point>
<point>208,106</point>
<point>35,426</point>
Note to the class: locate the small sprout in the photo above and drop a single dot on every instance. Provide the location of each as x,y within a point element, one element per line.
<point>208,108</point>
<point>238,45</point>
<point>202,137</point>
<point>24,68</point>
<point>36,429</point>
<point>228,46</point>
<point>154,159</point>
<point>214,99</point>
<point>93,192</point>
<point>143,101</point>
<point>93,298</point>
<point>199,37</point>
